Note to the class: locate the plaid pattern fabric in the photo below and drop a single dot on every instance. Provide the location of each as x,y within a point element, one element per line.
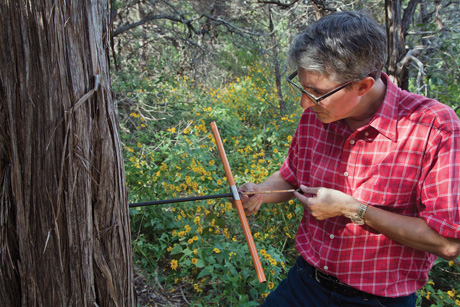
<point>407,161</point>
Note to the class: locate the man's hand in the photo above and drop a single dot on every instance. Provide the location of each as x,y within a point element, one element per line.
<point>251,203</point>
<point>324,203</point>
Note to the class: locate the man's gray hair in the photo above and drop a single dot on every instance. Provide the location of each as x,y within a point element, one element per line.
<point>343,46</point>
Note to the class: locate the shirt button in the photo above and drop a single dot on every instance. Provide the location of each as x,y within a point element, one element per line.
<point>331,236</point>
<point>326,267</point>
<point>366,133</point>
<point>345,174</point>
<point>352,142</point>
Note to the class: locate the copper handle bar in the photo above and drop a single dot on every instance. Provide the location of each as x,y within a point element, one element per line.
<point>239,206</point>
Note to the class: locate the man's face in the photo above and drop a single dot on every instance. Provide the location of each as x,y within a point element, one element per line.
<point>341,104</point>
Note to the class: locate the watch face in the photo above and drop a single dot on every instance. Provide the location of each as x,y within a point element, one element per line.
<point>357,220</point>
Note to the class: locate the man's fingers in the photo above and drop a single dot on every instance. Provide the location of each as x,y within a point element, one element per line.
<point>309,190</point>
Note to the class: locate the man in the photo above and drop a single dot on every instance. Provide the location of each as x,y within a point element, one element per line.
<point>379,171</point>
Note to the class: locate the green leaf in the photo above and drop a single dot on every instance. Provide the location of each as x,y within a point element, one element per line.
<point>200,263</point>
<point>176,249</point>
<point>206,271</point>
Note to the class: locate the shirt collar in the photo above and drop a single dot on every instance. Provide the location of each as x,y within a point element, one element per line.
<point>384,120</point>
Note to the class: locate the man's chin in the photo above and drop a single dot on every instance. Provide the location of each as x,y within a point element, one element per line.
<point>323,118</point>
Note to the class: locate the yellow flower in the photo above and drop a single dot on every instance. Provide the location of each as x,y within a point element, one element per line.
<point>271,285</point>
<point>457,302</point>
<point>194,260</point>
<point>197,287</point>
<point>263,252</point>
<point>216,250</point>
<point>174,264</point>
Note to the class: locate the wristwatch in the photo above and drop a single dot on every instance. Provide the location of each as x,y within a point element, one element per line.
<point>359,217</point>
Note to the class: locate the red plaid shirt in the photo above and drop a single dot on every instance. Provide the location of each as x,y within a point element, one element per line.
<point>407,161</point>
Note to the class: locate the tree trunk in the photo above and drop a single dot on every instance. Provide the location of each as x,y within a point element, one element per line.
<point>64,227</point>
<point>274,41</point>
<point>397,25</point>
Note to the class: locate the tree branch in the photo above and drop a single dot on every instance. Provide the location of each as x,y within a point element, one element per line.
<point>409,14</point>
<point>279,3</point>
<point>148,18</point>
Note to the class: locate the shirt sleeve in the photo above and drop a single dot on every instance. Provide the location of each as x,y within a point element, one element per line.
<point>440,189</point>
<point>289,168</point>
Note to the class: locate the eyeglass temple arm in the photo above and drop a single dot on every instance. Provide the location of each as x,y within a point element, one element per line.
<point>291,76</point>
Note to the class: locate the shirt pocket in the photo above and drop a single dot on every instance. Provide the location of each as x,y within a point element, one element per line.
<point>396,193</point>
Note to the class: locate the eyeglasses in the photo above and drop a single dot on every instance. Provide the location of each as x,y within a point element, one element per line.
<point>315,99</point>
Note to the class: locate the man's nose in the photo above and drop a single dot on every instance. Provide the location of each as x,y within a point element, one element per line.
<point>306,102</point>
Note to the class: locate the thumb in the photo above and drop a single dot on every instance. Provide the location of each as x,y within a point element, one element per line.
<point>309,190</point>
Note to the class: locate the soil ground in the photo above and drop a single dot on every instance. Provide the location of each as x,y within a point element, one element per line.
<point>151,293</point>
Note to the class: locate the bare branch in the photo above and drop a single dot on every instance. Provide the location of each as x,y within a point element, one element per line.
<point>409,14</point>
<point>148,18</point>
<point>230,25</point>
<point>279,3</point>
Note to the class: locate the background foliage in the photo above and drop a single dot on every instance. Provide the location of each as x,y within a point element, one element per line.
<point>178,65</point>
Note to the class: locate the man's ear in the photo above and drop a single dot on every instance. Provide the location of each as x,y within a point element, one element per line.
<point>365,85</point>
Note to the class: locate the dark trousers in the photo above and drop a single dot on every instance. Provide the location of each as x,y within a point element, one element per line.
<point>301,288</point>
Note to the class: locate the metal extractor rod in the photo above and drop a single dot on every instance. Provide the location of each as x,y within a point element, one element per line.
<point>194,198</point>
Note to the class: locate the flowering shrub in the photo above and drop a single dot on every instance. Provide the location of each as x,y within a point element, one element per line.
<point>200,245</point>
<point>443,287</point>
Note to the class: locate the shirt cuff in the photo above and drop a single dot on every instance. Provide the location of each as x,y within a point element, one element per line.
<point>444,227</point>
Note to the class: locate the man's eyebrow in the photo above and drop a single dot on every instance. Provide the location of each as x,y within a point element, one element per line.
<point>315,89</point>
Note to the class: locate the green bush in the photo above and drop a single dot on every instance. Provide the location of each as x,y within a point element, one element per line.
<point>200,245</point>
